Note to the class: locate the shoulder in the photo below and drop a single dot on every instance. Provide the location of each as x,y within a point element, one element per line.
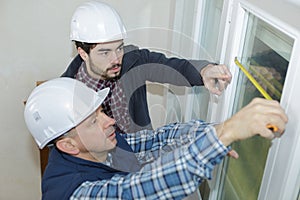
<point>129,48</point>
<point>73,67</point>
<point>133,50</point>
<point>133,56</point>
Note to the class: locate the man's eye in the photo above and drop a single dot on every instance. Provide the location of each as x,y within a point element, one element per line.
<point>120,48</point>
<point>102,111</point>
<point>104,53</point>
<point>94,120</point>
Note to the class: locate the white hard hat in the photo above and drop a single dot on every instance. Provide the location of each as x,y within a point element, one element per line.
<point>58,105</point>
<point>95,22</point>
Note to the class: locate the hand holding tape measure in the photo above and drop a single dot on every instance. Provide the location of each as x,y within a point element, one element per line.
<point>272,127</point>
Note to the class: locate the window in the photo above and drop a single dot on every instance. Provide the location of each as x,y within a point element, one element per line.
<point>266,53</point>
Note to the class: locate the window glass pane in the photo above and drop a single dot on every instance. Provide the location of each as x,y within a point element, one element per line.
<point>209,36</point>
<point>210,27</point>
<point>266,54</point>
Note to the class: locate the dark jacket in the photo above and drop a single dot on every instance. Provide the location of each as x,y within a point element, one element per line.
<point>141,65</point>
<point>65,173</point>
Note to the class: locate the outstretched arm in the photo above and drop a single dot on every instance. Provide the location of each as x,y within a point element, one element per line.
<point>178,173</point>
<point>173,175</point>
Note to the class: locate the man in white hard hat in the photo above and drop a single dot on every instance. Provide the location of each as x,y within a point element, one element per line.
<point>170,162</point>
<point>104,61</point>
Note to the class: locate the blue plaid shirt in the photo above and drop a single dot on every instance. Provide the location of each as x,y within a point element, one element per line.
<point>176,159</point>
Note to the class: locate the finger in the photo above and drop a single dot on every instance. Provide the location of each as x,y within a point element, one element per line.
<point>227,71</point>
<point>212,87</point>
<point>267,133</point>
<point>214,90</point>
<point>221,85</point>
<point>223,70</point>
<point>276,125</point>
<point>224,78</point>
<point>233,154</point>
<point>277,112</point>
<point>275,130</point>
<point>271,126</point>
<point>268,107</point>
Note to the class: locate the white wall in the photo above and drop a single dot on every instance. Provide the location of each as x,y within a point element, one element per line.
<point>35,46</point>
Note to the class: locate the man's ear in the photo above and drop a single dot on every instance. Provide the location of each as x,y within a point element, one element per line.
<point>68,145</point>
<point>82,53</point>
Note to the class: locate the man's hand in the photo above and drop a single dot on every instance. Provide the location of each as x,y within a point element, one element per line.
<point>216,78</point>
<point>252,120</point>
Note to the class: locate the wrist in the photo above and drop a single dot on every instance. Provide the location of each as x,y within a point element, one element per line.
<point>224,133</point>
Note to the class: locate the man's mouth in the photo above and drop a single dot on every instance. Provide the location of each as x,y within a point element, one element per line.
<point>111,133</point>
<point>112,136</point>
<point>115,68</point>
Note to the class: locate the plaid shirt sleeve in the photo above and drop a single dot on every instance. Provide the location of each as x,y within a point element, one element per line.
<point>172,175</point>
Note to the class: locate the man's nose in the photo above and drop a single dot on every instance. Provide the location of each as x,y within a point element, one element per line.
<point>108,121</point>
<point>115,57</point>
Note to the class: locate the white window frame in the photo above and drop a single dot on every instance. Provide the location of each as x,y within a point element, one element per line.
<point>281,178</point>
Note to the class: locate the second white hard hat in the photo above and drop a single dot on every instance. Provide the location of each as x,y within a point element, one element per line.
<point>58,105</point>
<point>95,22</point>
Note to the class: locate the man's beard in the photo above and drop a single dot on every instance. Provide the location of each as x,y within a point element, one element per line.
<point>104,75</point>
<point>117,74</point>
